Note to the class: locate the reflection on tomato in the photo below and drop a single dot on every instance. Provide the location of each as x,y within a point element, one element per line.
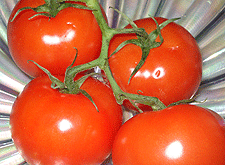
<point>182,134</point>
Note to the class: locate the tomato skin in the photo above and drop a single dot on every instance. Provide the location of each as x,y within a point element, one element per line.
<point>51,42</point>
<point>49,127</point>
<point>182,134</point>
<point>172,72</point>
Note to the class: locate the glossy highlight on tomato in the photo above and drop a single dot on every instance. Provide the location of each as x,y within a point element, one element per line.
<point>182,134</point>
<point>50,127</point>
<point>51,42</point>
<point>171,72</point>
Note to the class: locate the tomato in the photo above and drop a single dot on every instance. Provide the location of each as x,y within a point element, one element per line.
<point>171,72</point>
<point>52,42</point>
<point>50,127</point>
<point>182,134</point>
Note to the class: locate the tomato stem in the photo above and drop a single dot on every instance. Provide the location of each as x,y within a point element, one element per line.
<point>103,64</point>
<point>145,41</point>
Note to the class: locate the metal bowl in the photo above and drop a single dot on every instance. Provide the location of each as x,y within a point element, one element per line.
<point>205,20</point>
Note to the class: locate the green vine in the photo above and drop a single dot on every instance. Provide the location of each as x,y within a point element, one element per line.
<point>144,40</point>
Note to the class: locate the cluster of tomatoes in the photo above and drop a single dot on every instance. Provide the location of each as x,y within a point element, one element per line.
<point>51,126</point>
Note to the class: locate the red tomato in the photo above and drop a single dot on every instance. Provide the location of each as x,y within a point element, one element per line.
<point>49,127</point>
<point>172,72</point>
<point>182,134</point>
<point>51,43</point>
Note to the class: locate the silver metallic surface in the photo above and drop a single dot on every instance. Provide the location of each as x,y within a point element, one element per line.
<point>204,19</point>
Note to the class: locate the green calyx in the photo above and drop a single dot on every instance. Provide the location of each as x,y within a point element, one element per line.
<point>145,41</point>
<point>69,86</point>
<point>50,9</point>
